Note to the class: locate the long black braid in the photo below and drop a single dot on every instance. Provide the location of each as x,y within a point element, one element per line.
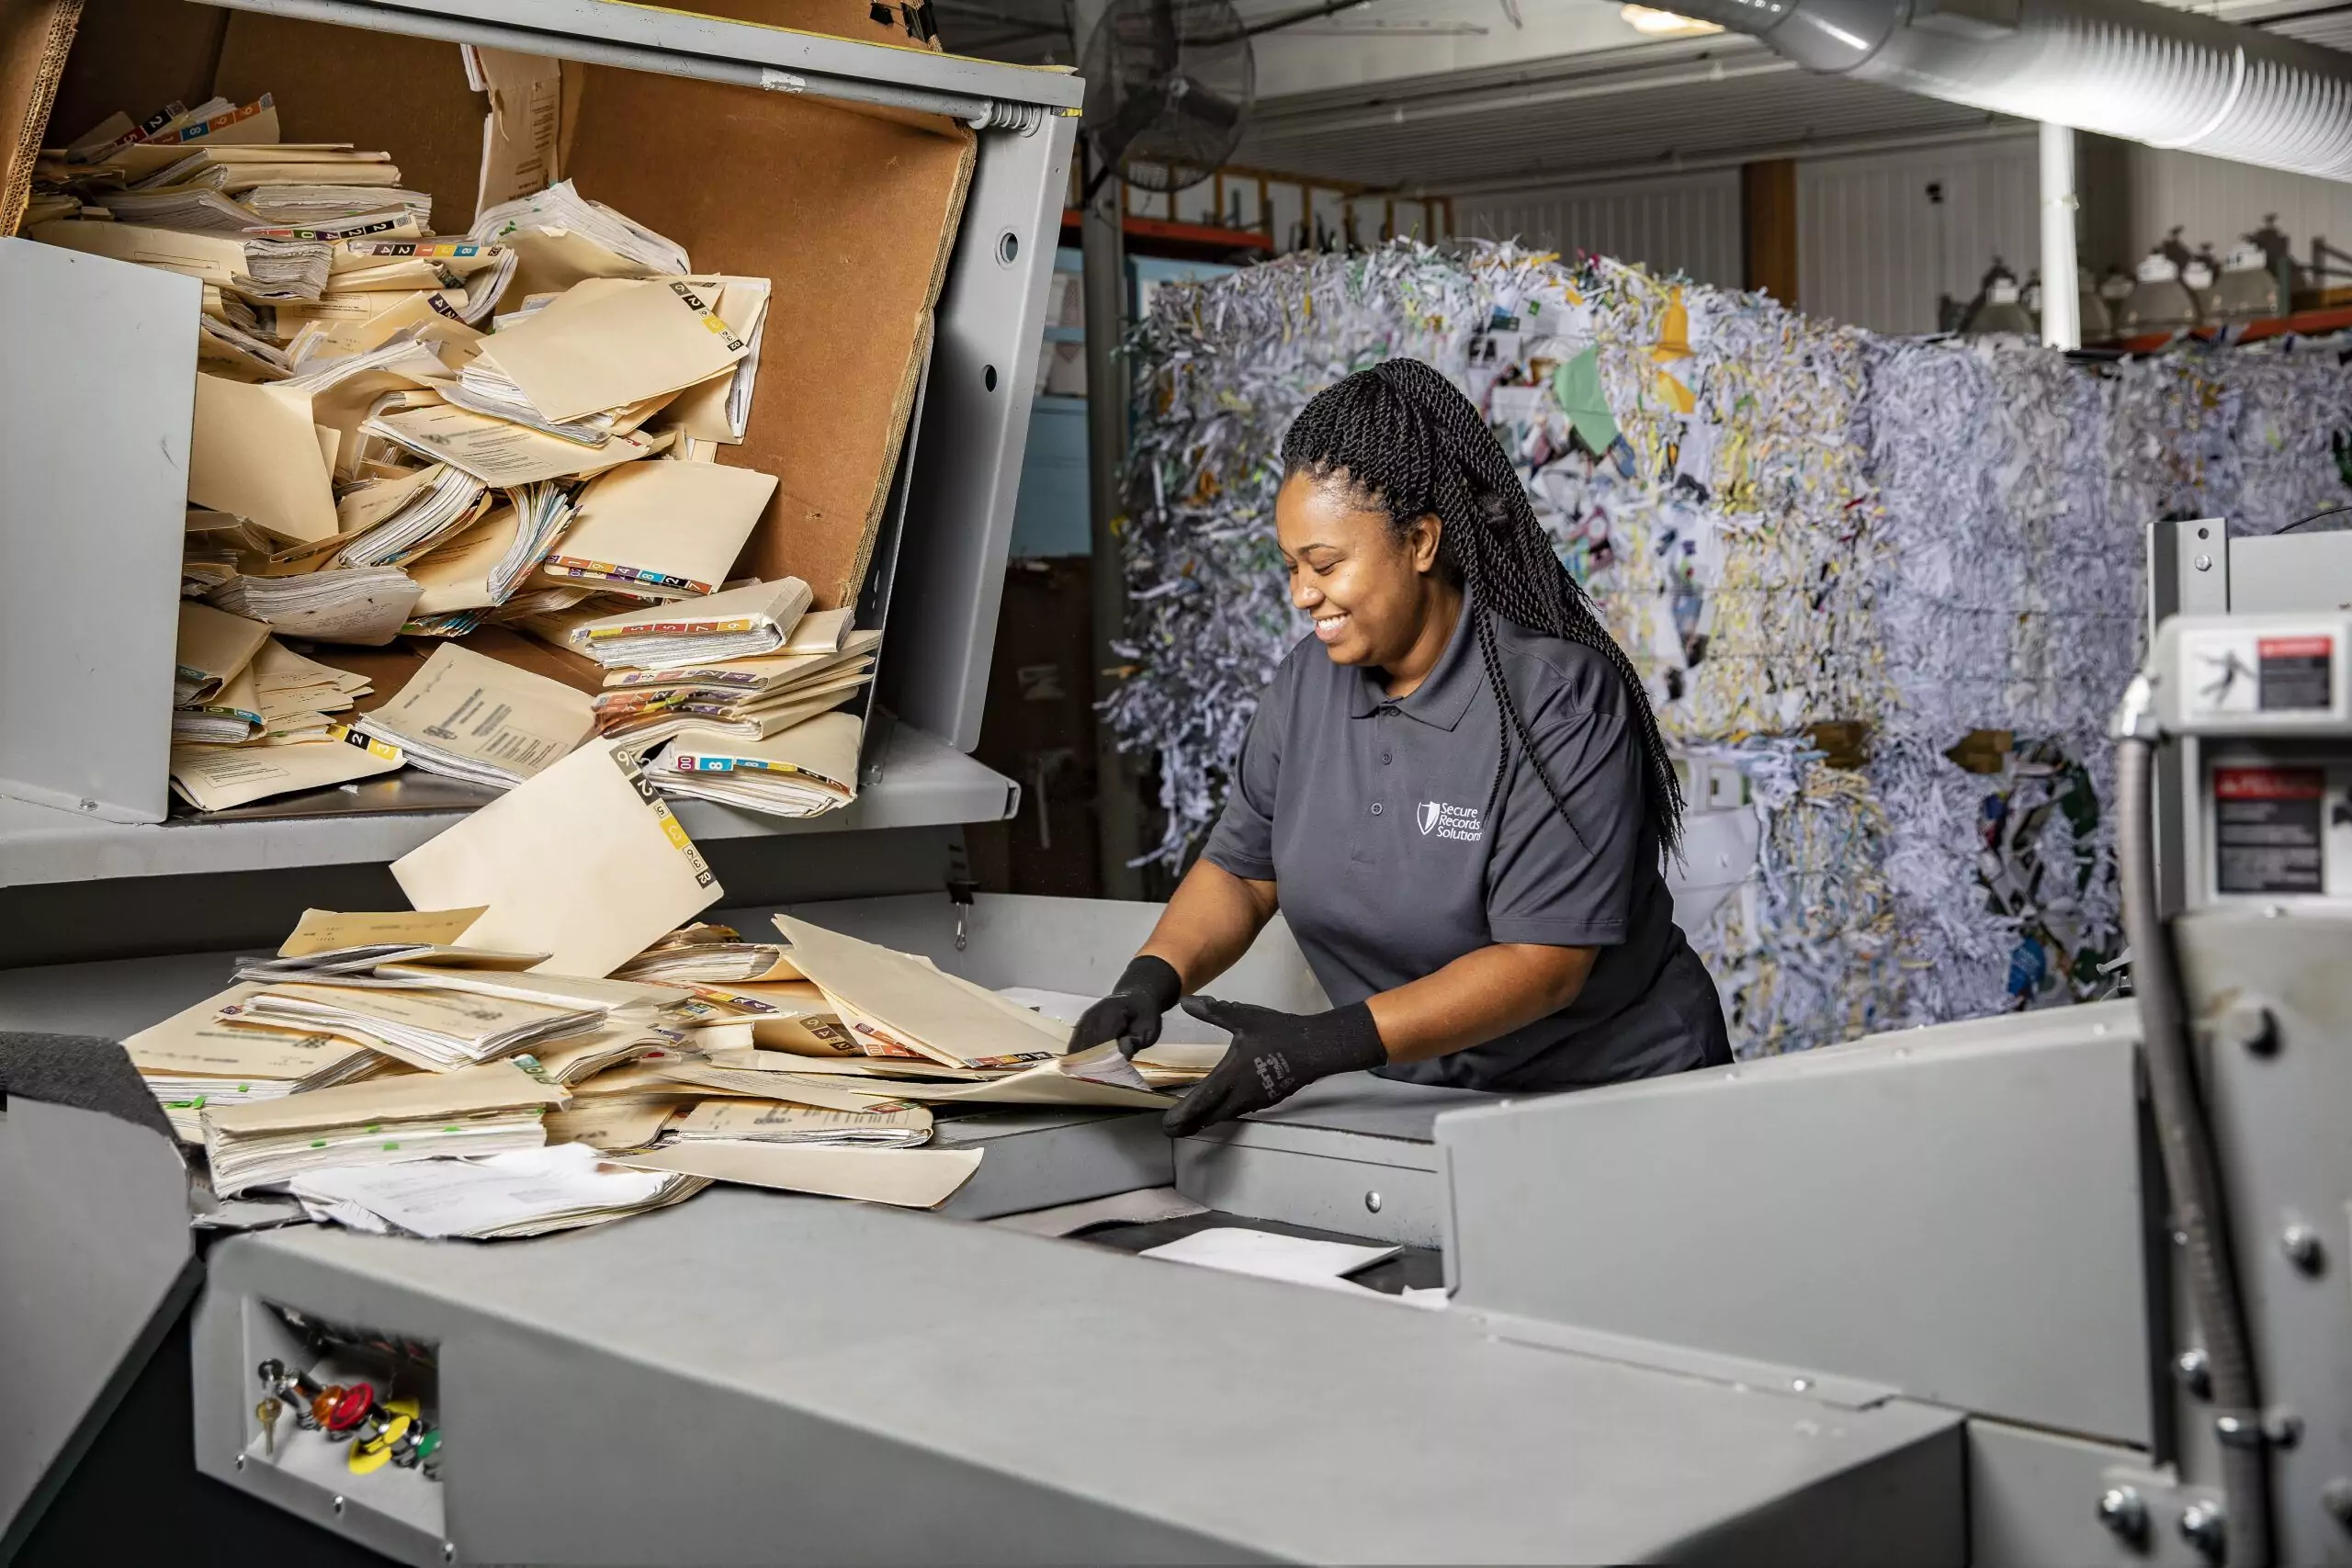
<point>1403,436</point>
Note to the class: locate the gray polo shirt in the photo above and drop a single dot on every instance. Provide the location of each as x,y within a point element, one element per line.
<point>1371,816</point>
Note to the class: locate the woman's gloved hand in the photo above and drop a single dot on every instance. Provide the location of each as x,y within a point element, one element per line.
<point>1147,988</point>
<point>1273,1055</point>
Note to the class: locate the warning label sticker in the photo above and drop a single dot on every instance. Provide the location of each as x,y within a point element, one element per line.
<point>2230,673</point>
<point>2266,827</point>
<point>2295,672</point>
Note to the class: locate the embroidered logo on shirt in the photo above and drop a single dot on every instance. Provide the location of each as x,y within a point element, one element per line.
<point>1446,821</point>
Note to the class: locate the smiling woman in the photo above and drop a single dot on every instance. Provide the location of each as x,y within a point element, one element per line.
<point>1454,791</point>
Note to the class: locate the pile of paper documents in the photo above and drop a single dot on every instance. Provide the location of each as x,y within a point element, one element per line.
<point>369,467</point>
<point>820,666</point>
<point>552,1039</point>
<point>490,1198</point>
<point>250,713</point>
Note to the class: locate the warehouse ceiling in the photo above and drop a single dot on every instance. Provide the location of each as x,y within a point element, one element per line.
<point>1618,112</point>
<point>1453,95</point>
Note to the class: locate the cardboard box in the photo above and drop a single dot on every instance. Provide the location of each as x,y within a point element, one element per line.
<point>853,212</point>
<point>34,37</point>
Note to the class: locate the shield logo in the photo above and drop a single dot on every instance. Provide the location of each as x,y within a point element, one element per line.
<point>1428,817</point>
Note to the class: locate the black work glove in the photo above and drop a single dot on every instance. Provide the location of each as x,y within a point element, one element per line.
<point>1273,1055</point>
<point>1147,988</point>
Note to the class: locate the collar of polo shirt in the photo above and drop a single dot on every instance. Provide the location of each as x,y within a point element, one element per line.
<point>1444,696</point>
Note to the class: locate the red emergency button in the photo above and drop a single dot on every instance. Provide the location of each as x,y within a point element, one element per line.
<point>351,1408</point>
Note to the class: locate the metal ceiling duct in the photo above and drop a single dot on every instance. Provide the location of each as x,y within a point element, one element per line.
<point>2122,68</point>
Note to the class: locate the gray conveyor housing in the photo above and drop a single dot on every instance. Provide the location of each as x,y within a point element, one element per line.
<point>1920,1340</point>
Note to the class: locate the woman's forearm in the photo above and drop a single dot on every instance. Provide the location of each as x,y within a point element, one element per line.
<point>1210,923</point>
<point>1479,996</point>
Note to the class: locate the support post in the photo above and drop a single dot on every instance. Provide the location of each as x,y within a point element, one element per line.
<point>1767,222</point>
<point>1117,810</point>
<point>2061,317</point>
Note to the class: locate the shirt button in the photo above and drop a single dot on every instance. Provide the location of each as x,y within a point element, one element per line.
<point>1386,758</point>
<point>1376,808</point>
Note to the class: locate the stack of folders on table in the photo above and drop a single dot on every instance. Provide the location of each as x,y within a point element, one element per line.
<point>197,1058</point>
<point>730,697</point>
<point>493,1109</point>
<point>434,1029</point>
<point>404,435</point>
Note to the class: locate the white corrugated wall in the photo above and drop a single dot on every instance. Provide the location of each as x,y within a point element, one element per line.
<point>1686,223</point>
<point>2211,201</point>
<point>1875,249</point>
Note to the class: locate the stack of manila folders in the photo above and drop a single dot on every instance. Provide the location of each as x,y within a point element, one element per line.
<point>527,1052</point>
<point>446,447</point>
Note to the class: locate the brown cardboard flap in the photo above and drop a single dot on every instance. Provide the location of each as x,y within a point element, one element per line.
<point>854,215</point>
<point>130,55</point>
<point>573,670</point>
<point>35,38</point>
<point>378,91</point>
<point>393,666</point>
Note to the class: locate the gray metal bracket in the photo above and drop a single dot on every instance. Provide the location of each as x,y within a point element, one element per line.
<point>982,92</point>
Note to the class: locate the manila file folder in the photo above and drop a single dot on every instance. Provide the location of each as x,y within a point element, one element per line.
<point>582,861</point>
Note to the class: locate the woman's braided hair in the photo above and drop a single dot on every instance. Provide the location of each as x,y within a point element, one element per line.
<point>1405,437</point>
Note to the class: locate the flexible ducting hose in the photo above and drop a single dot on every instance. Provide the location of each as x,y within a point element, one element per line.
<point>2124,68</point>
<point>2186,1141</point>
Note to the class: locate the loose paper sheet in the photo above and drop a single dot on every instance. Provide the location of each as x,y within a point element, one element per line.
<point>331,930</point>
<point>465,1197</point>
<point>1269,1255</point>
